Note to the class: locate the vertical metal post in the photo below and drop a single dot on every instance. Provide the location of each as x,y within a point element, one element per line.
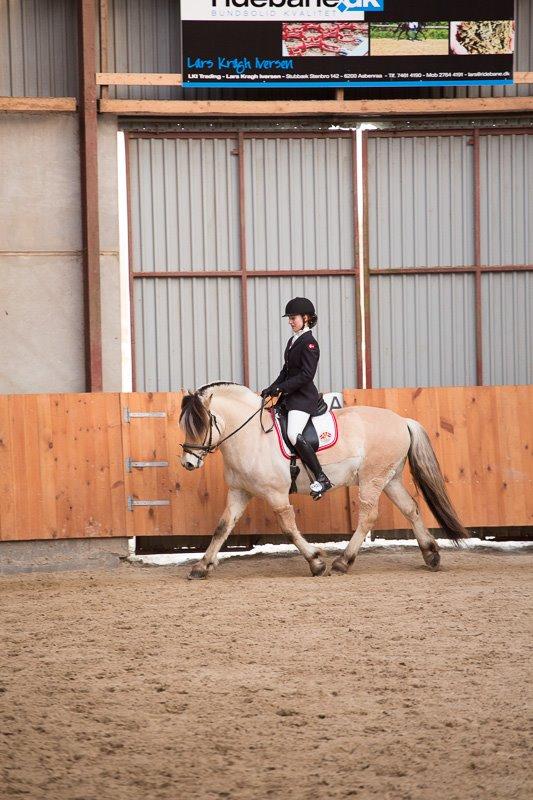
<point>127,140</point>
<point>244,280</point>
<point>358,320</point>
<point>89,194</point>
<point>477,258</point>
<point>366,255</point>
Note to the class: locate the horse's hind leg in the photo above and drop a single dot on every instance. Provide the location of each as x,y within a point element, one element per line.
<point>368,513</point>
<point>235,505</point>
<point>401,498</point>
<point>287,522</point>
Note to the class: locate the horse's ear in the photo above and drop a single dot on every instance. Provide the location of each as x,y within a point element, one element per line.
<point>207,400</point>
<point>185,401</point>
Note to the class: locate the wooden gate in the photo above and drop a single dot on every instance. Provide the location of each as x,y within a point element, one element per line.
<point>61,469</point>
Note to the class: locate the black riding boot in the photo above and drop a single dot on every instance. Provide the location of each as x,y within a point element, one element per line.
<point>309,458</point>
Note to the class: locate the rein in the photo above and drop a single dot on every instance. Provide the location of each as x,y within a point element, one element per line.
<point>188,447</point>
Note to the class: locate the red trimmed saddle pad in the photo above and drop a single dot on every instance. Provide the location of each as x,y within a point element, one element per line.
<point>325,427</point>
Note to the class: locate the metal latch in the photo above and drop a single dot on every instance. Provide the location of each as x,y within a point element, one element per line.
<point>129,415</point>
<point>130,464</point>
<point>132,502</point>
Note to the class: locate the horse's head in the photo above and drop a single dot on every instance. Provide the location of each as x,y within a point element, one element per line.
<point>202,428</point>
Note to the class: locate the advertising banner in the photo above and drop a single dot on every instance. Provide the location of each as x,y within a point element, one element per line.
<point>343,43</point>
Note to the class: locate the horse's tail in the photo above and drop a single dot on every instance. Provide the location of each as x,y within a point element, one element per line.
<point>429,479</point>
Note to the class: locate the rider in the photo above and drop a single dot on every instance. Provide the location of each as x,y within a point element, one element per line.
<point>295,384</point>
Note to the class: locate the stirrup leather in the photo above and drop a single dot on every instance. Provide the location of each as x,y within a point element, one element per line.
<point>295,471</point>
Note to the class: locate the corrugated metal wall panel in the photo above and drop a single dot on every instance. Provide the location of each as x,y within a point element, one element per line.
<point>185,204</point>
<point>507,301</point>
<point>38,48</point>
<point>334,299</point>
<point>299,203</point>
<point>144,36</point>
<point>423,330</point>
<point>506,199</point>
<point>421,205</point>
<point>524,35</point>
<point>185,213</point>
<point>187,332</point>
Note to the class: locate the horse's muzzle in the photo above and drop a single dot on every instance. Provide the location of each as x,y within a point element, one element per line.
<point>191,462</point>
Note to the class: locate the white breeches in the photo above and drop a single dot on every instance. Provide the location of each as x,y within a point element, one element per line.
<point>296,423</point>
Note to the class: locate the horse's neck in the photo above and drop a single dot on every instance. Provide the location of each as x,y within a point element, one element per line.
<point>234,411</point>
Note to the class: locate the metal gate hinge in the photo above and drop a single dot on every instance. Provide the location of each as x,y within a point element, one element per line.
<point>129,415</point>
<point>130,464</point>
<point>132,502</point>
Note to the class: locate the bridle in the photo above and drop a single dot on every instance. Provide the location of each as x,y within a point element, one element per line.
<point>189,447</point>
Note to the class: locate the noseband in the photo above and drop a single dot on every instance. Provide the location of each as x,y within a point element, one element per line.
<point>189,447</point>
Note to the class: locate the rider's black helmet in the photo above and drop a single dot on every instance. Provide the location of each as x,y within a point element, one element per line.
<point>299,305</point>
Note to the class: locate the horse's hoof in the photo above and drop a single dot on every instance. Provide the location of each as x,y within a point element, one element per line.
<point>340,566</point>
<point>197,574</point>
<point>432,560</point>
<point>318,567</point>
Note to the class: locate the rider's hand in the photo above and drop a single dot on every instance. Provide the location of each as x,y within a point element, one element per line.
<point>270,391</point>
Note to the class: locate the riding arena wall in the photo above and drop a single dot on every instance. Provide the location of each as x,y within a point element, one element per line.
<point>107,465</point>
<point>149,235</point>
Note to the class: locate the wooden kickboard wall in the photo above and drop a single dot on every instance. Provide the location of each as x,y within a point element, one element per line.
<point>63,471</point>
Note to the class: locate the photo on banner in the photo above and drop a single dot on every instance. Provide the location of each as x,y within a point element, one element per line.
<point>410,38</point>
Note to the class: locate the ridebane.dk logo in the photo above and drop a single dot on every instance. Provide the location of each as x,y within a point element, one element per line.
<point>361,5</point>
<point>335,5</point>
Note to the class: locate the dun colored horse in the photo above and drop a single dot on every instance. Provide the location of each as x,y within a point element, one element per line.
<point>372,448</point>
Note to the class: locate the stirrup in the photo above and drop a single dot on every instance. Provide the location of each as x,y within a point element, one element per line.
<point>318,488</point>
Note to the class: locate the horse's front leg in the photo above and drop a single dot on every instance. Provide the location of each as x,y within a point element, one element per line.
<point>237,501</point>
<point>287,522</point>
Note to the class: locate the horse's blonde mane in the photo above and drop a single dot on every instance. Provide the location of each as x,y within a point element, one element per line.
<point>194,416</point>
<point>227,388</point>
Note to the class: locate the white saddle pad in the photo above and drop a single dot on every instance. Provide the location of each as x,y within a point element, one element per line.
<point>325,426</point>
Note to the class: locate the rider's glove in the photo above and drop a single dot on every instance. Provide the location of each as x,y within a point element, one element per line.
<point>270,391</point>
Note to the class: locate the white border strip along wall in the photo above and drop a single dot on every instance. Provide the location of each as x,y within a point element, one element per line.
<point>125,309</point>
<point>365,335</point>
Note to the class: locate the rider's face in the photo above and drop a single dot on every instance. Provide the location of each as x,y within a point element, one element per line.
<point>296,322</point>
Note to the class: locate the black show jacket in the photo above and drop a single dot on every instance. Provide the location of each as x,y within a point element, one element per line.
<point>296,378</point>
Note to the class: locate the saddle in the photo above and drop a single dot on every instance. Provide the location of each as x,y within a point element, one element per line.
<point>321,432</point>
